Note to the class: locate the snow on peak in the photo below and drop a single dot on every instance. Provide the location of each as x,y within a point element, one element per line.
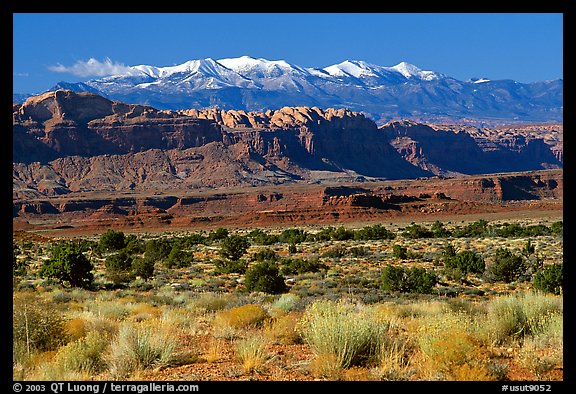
<point>411,71</point>
<point>246,65</point>
<point>207,73</point>
<point>354,68</point>
<point>208,66</point>
<point>258,73</point>
<point>242,62</point>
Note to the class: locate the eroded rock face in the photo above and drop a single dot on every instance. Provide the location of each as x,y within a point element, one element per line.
<point>63,123</point>
<point>467,150</point>
<point>65,142</point>
<point>315,139</point>
<point>310,118</point>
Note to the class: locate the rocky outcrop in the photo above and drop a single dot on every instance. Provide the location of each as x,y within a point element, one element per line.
<point>318,140</point>
<point>429,199</point>
<point>63,123</point>
<point>309,118</point>
<point>65,142</point>
<point>498,188</point>
<point>450,151</point>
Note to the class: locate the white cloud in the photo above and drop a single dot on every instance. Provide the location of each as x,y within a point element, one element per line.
<point>92,67</point>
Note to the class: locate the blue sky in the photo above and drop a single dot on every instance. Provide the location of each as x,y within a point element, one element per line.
<point>48,48</point>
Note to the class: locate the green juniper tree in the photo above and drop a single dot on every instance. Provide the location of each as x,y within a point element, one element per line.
<point>69,265</point>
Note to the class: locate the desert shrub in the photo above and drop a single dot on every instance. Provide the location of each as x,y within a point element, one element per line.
<point>261,238</point>
<point>141,312</point>
<point>244,316</point>
<point>374,232</point>
<point>466,261</point>
<point>518,230</point>
<point>265,255</point>
<point>211,302</point>
<point>234,247</point>
<point>134,245</point>
<point>408,280</point>
<point>284,329</point>
<point>252,352</point>
<point>421,280</point>
<point>557,228</point>
<point>68,265</point>
<point>114,310</point>
<point>36,324</point>
<point>301,266</point>
<point>178,257</point>
<point>230,266</point>
<point>188,241</point>
<point>111,241</point>
<point>342,234</point>
<point>543,351</point>
<point>76,328</point>
<point>218,235</point>
<point>143,267</point>
<point>475,229</point>
<point>324,234</point>
<point>335,252</point>
<point>84,355</point>
<point>139,347</point>
<point>520,315</point>
<point>507,266</point>
<point>540,310</point>
<point>293,236</point>
<point>340,335</point>
<point>18,266</point>
<point>439,231</point>
<point>265,277</point>
<point>399,252</point>
<point>119,266</point>
<point>448,252</point>
<point>536,230</point>
<point>358,251</point>
<point>450,347</point>
<point>285,303</point>
<point>540,356</point>
<point>417,231</point>
<point>528,249</point>
<point>393,278</point>
<point>510,230</point>
<point>157,249</point>
<point>550,279</point>
<point>395,354</point>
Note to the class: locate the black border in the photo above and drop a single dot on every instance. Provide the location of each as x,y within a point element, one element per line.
<point>566,7</point>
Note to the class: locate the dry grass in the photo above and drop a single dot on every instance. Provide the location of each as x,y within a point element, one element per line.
<point>284,329</point>
<point>245,316</point>
<point>214,350</point>
<point>341,333</point>
<point>487,331</point>
<point>540,356</point>
<point>252,352</point>
<point>140,347</point>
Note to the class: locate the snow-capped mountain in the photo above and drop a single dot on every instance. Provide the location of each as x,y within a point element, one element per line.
<point>256,84</point>
<point>361,69</point>
<point>190,76</point>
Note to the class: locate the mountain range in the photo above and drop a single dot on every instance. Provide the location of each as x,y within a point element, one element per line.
<point>382,93</point>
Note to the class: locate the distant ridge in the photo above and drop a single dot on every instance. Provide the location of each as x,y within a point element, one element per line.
<point>382,93</point>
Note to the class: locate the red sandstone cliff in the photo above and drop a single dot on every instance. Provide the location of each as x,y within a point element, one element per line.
<point>65,142</point>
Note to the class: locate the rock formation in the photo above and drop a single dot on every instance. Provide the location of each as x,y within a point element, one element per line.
<point>66,142</point>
